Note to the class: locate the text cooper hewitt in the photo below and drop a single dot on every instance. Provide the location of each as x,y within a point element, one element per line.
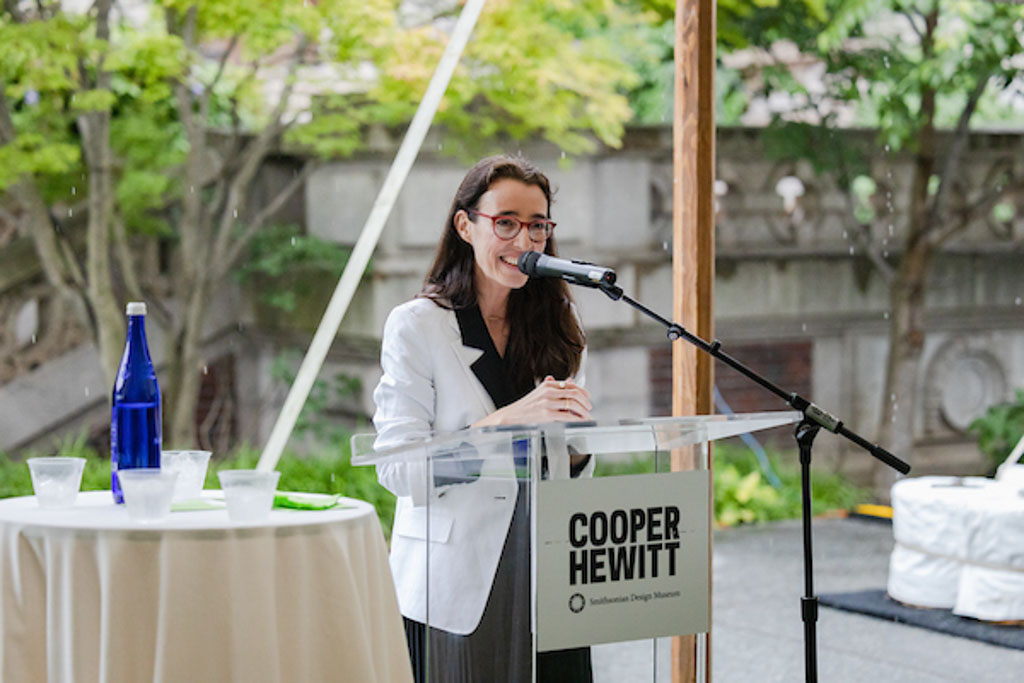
<point>624,544</point>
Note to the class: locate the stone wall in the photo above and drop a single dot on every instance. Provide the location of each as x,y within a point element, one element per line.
<point>791,279</point>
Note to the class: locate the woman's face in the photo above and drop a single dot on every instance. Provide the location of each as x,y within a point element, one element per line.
<point>495,258</point>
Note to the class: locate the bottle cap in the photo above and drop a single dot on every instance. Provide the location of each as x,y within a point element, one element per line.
<point>136,308</point>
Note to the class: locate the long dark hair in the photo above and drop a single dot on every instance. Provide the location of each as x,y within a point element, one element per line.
<point>544,335</point>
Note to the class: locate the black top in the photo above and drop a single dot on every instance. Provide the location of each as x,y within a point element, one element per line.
<point>493,372</point>
<point>491,369</point>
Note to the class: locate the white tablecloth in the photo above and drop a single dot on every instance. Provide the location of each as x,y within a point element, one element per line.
<point>992,582</point>
<point>88,595</point>
<point>959,545</point>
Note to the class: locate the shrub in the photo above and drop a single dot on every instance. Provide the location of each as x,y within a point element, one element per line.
<point>829,491</point>
<point>999,429</point>
<point>743,496</point>
<point>15,479</point>
<point>330,470</point>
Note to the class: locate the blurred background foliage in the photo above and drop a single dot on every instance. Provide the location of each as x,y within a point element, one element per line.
<point>153,119</point>
<point>280,259</point>
<point>742,494</point>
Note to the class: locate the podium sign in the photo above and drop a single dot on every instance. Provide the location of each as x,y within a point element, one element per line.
<point>623,558</point>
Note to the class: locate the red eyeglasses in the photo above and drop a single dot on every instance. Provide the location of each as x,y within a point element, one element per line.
<point>507,227</point>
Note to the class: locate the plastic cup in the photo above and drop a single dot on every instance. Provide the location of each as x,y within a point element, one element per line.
<point>56,480</point>
<point>249,494</point>
<point>191,468</point>
<point>147,492</point>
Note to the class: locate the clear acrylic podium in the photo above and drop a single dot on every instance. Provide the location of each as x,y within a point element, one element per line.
<point>533,536</point>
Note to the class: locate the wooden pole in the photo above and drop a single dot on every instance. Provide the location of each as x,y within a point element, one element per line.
<point>693,252</point>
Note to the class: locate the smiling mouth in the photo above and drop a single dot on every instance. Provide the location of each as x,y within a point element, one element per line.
<point>510,261</point>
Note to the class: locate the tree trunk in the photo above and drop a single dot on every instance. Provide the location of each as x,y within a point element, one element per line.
<point>94,128</point>
<point>906,342</point>
<point>186,375</point>
<point>107,316</point>
<point>907,298</point>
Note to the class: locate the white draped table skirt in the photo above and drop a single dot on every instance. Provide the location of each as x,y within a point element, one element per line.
<point>89,595</point>
<point>959,546</point>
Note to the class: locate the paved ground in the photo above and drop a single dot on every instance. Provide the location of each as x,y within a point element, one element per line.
<point>757,634</point>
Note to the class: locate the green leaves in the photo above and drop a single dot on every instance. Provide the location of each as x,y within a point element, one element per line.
<point>820,145</point>
<point>742,23</point>
<point>278,250</point>
<point>147,63</point>
<point>553,69</point>
<point>741,494</point>
<point>846,18</point>
<point>999,429</point>
<point>742,498</point>
<point>283,256</point>
<point>557,69</point>
<point>92,100</point>
<point>42,55</point>
<point>33,153</point>
<point>884,59</point>
<point>337,130</point>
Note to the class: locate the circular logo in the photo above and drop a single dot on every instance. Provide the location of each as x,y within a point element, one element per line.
<point>576,603</point>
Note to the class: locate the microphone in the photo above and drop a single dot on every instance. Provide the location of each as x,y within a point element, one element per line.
<point>536,264</point>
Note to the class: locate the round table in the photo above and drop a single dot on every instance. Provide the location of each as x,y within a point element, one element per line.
<point>89,594</point>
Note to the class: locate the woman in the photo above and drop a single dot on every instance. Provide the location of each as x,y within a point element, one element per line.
<point>481,345</point>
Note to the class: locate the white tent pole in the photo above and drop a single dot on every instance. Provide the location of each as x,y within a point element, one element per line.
<point>364,247</point>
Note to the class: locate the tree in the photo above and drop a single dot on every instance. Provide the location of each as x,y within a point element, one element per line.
<point>159,118</point>
<point>919,71</point>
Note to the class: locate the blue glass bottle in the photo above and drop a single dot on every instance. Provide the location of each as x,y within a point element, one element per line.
<point>135,421</point>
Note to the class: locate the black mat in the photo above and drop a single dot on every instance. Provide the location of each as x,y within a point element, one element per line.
<point>876,603</point>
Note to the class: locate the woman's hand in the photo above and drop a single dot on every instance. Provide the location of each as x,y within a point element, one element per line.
<point>551,401</point>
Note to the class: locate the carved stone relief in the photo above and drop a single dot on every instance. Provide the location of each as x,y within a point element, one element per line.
<point>964,377</point>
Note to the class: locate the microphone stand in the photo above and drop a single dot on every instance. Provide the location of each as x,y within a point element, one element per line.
<point>814,418</point>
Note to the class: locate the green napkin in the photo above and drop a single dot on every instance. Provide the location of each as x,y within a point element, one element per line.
<point>197,504</point>
<point>308,501</point>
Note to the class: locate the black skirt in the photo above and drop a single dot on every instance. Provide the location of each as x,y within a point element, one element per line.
<point>499,649</point>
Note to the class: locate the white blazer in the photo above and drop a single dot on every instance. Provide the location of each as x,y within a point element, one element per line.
<point>429,386</point>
